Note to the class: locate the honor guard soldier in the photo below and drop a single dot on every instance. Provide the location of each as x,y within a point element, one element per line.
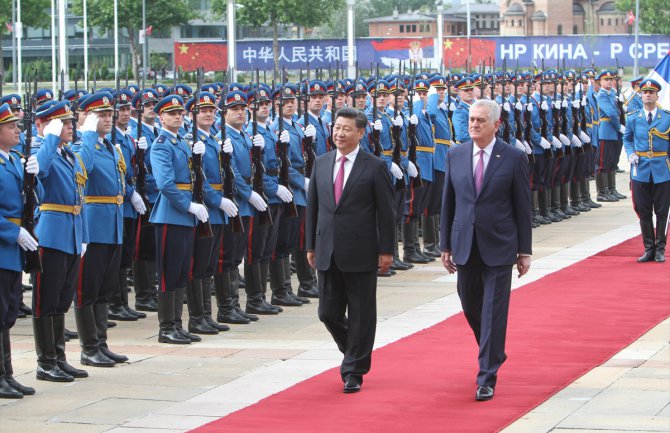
<point>648,148</point>
<point>14,102</point>
<point>317,99</point>
<point>466,96</point>
<point>206,250</point>
<point>133,205</point>
<point>609,134</point>
<point>14,240</point>
<point>62,231</point>
<point>634,102</point>
<point>174,216</point>
<point>105,192</point>
<point>144,259</point>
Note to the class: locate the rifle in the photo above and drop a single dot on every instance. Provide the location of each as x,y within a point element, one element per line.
<point>413,141</point>
<point>575,115</point>
<point>62,85</point>
<point>556,115</point>
<point>564,116</point>
<point>377,147</point>
<point>257,169</point>
<point>333,103</point>
<point>282,148</point>
<point>397,142</point>
<point>115,113</point>
<point>227,170</point>
<point>307,142</point>
<point>95,79</point>
<point>582,113</point>
<point>75,106</point>
<point>528,120</point>
<point>33,261</point>
<point>543,118</point>
<point>619,104</point>
<point>450,113</point>
<point>141,180</point>
<point>203,229</point>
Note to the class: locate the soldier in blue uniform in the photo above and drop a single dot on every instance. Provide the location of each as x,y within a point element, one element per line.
<point>317,99</point>
<point>466,89</point>
<point>634,102</point>
<point>174,216</point>
<point>133,207</point>
<point>14,240</point>
<point>592,126</point>
<point>206,250</point>
<point>14,102</point>
<point>63,235</point>
<point>144,258</point>
<point>105,192</point>
<point>609,135</point>
<point>647,146</point>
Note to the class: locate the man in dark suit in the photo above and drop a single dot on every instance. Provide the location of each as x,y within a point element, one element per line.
<point>350,233</point>
<point>485,230</point>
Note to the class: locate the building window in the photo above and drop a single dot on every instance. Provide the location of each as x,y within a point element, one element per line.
<point>559,29</point>
<point>575,29</point>
<point>602,21</point>
<point>402,28</point>
<point>519,23</point>
<point>616,21</point>
<point>413,28</point>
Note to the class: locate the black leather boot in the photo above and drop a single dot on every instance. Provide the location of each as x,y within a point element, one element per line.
<point>584,189</point>
<point>123,292</point>
<point>179,296</point>
<point>548,209</point>
<point>543,200</point>
<point>88,338</point>
<point>576,197</point>
<point>661,238</point>
<point>59,344</point>
<point>45,347</point>
<point>196,310</point>
<point>144,296</point>
<point>226,311</point>
<point>601,187</point>
<point>536,218</point>
<point>648,240</point>
<point>277,285</point>
<point>418,233</point>
<point>235,285</point>
<point>7,390</point>
<point>555,203</point>
<point>430,240</point>
<point>100,314</point>
<point>305,291</point>
<point>207,291</point>
<point>6,361</point>
<point>410,254</point>
<point>611,182</point>
<point>167,332</point>
<point>566,207</point>
<point>256,303</point>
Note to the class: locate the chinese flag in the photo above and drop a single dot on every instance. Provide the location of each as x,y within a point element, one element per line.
<point>212,56</point>
<point>456,51</point>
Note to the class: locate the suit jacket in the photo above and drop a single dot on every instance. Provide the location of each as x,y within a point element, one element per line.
<point>361,226</point>
<point>500,215</point>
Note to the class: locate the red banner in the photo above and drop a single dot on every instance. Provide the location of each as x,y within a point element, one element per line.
<point>456,51</point>
<point>210,55</point>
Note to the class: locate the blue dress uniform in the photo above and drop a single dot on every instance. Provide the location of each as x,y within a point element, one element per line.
<point>62,230</point>
<point>443,140</point>
<point>609,136</point>
<point>14,102</point>
<point>104,196</point>
<point>461,115</point>
<point>321,141</point>
<point>647,144</point>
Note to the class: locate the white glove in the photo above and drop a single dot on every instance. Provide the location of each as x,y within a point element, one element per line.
<point>544,106</point>
<point>284,194</point>
<point>396,171</point>
<point>199,148</point>
<point>518,105</point>
<point>310,131</point>
<point>556,143</point>
<point>55,127</point>
<point>564,139</point>
<point>199,210</point>
<point>142,143</point>
<point>557,104</point>
<point>138,203</point>
<point>413,119</point>
<point>443,105</point>
<point>227,146</point>
<point>583,101</point>
<point>622,129</point>
<point>452,107</point>
<point>575,141</point>
<point>411,169</point>
<point>90,124</point>
<point>377,125</point>
<point>27,242</point>
<point>564,103</point>
<point>519,145</point>
<point>228,207</point>
<point>529,108</point>
<point>506,106</point>
<point>306,184</point>
<point>285,137</point>
<point>32,166</point>
<point>575,103</point>
<point>259,141</point>
<point>633,159</point>
<point>257,201</point>
<point>398,121</point>
<point>83,249</point>
<point>528,148</point>
<point>544,144</point>
<point>621,98</point>
<point>584,137</point>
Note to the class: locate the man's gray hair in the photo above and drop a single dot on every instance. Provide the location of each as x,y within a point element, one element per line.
<point>493,108</point>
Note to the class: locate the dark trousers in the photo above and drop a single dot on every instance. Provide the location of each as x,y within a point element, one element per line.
<point>257,237</point>
<point>129,242</point>
<point>99,274</point>
<point>278,214</point>
<point>608,155</point>
<point>651,198</point>
<point>291,235</point>
<point>434,200</point>
<point>415,201</point>
<point>485,292</point>
<point>54,287</point>
<point>348,308</point>
<point>226,256</point>
<point>539,173</point>
<point>10,293</point>
<point>145,240</point>
<point>206,253</point>
<point>174,249</point>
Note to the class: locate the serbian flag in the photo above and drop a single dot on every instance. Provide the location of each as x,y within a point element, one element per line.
<point>456,51</point>
<point>403,49</point>
<point>661,73</point>
<point>213,56</point>
<point>630,16</point>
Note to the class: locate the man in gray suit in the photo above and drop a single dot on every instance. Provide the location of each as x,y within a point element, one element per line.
<point>350,232</point>
<point>485,230</point>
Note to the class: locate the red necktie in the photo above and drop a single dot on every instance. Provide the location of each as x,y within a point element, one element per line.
<point>339,180</point>
<point>479,172</point>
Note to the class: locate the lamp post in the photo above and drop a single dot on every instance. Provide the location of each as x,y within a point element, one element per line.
<point>18,31</point>
<point>231,41</point>
<point>62,45</point>
<point>350,38</point>
<point>116,39</point>
<point>85,45</point>
<point>145,46</point>
<point>637,37</point>
<point>439,55</point>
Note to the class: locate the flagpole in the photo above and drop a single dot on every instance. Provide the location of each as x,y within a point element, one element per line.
<point>85,45</point>
<point>18,32</point>
<point>116,39</point>
<point>53,47</point>
<point>231,41</point>
<point>637,36</point>
<point>145,46</point>
<point>467,9</point>
<point>62,44</point>
<point>13,33</point>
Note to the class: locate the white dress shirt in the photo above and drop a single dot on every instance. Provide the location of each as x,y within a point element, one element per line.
<point>487,155</point>
<point>653,114</point>
<point>351,157</point>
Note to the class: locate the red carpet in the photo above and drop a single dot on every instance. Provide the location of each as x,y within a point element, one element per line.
<point>560,327</point>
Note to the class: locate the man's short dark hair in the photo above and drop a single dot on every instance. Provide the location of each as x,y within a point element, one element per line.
<point>353,113</point>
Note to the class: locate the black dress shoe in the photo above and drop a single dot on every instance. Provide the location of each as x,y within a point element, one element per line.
<point>52,373</point>
<point>397,265</point>
<point>659,256</point>
<point>648,256</point>
<point>72,371</point>
<point>219,327</point>
<point>71,335</point>
<point>172,336</point>
<point>285,300</point>
<point>384,274</point>
<point>8,391</point>
<point>249,316</point>
<point>26,287</point>
<point>352,384</point>
<point>25,309</point>
<point>149,305</point>
<point>113,356</point>
<point>25,390</point>
<point>415,258</point>
<point>20,314</point>
<point>133,312</point>
<point>117,312</point>
<point>194,338</point>
<point>232,317</point>
<point>308,292</point>
<point>484,393</point>
<point>111,325</point>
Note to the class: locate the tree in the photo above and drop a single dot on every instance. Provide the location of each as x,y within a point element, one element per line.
<point>654,16</point>
<point>275,12</point>
<point>383,8</point>
<point>337,27</point>
<point>161,14</point>
<point>33,14</point>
